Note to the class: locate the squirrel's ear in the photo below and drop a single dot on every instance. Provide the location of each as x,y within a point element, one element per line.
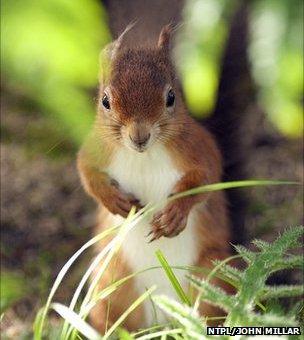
<point>105,63</point>
<point>110,51</point>
<point>165,37</point>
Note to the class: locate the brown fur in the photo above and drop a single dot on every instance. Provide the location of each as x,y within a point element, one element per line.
<point>136,83</point>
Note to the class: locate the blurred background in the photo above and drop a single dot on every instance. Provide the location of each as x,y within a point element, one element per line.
<point>49,79</point>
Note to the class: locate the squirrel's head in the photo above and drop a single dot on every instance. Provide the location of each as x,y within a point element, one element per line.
<point>140,101</point>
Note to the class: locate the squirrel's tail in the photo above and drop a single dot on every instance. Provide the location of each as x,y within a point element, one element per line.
<point>226,123</point>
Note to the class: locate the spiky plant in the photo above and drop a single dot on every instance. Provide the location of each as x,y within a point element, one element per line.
<point>252,289</point>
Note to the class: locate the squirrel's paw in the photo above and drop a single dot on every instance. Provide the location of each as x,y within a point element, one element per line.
<point>170,221</point>
<point>121,203</point>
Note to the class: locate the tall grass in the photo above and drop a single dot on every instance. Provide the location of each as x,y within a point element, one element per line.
<point>184,312</point>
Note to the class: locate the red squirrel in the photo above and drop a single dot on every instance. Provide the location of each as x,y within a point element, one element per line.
<point>143,148</point>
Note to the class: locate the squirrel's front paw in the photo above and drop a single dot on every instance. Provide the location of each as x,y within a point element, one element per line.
<point>120,203</point>
<point>170,221</point>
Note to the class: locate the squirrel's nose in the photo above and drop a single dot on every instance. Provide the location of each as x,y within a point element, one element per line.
<point>140,141</point>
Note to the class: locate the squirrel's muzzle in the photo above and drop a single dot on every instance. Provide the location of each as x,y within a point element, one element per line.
<point>142,141</point>
<point>139,135</point>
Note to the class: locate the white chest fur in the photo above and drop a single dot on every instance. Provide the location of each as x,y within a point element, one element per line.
<point>150,177</point>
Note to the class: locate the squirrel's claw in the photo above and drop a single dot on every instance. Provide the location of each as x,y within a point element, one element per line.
<point>150,233</point>
<point>169,222</point>
<point>152,239</point>
<point>155,237</point>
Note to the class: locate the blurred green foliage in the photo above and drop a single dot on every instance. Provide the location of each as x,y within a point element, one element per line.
<point>13,287</point>
<point>275,51</point>
<point>199,51</point>
<point>49,54</point>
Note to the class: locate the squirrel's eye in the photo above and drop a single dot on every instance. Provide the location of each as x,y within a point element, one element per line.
<point>170,98</point>
<point>105,102</point>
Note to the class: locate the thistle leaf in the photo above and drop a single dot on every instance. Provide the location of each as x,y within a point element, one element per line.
<point>270,320</point>
<point>282,291</point>
<point>291,262</point>
<point>246,254</point>
<point>262,245</point>
<point>213,294</point>
<point>289,240</point>
<point>185,315</point>
<point>260,266</point>
<point>230,272</point>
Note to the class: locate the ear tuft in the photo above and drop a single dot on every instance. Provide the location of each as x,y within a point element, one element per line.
<point>112,49</point>
<point>109,53</point>
<point>119,41</point>
<point>165,37</point>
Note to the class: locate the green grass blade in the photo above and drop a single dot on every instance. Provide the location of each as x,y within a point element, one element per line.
<point>134,305</point>
<point>41,320</point>
<point>231,185</point>
<point>113,248</point>
<point>160,334</point>
<point>84,279</point>
<point>173,279</point>
<point>123,334</point>
<point>75,320</point>
<point>149,330</point>
<point>91,268</point>
<point>115,285</point>
<point>125,228</point>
